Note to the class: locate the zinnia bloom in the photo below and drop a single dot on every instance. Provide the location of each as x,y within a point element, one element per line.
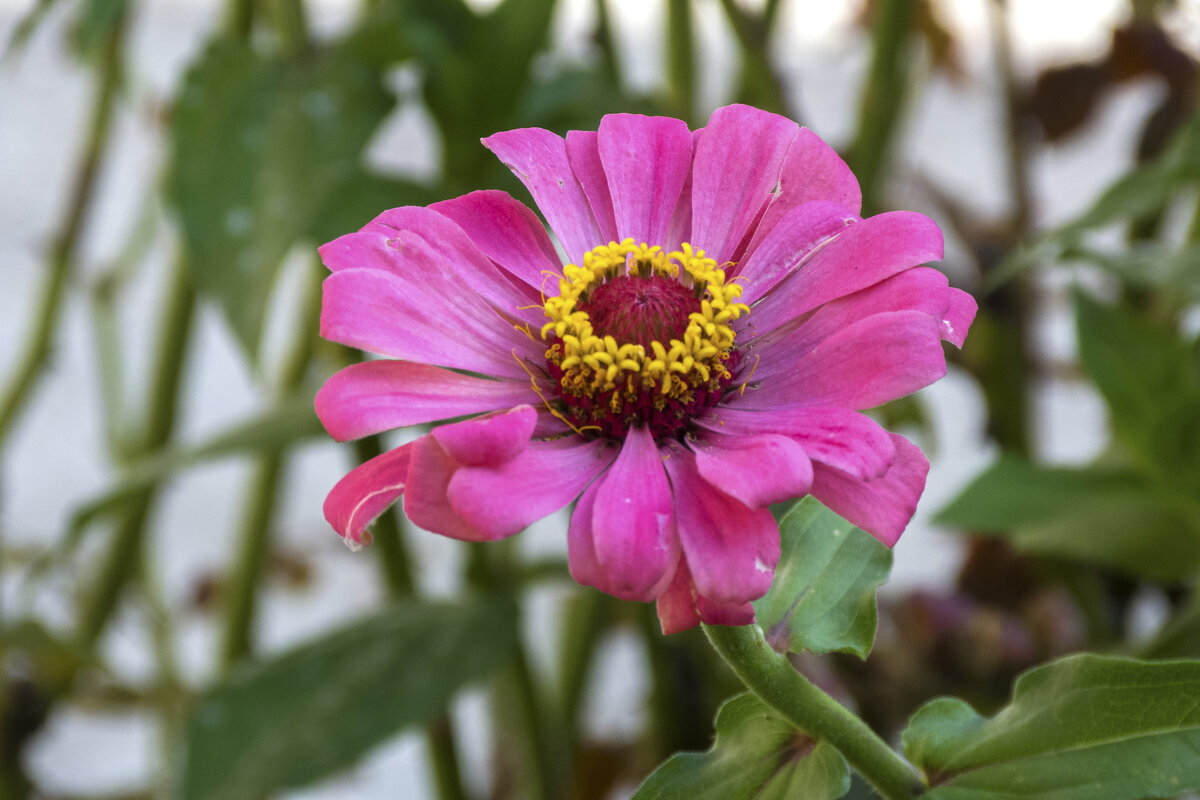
<point>723,317</point>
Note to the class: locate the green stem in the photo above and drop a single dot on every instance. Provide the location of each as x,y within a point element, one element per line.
<point>162,403</point>
<point>761,84</point>
<point>241,598</point>
<point>681,57</point>
<point>607,43</point>
<point>62,253</point>
<point>396,565</point>
<point>777,683</point>
<point>541,783</point>
<point>883,96</point>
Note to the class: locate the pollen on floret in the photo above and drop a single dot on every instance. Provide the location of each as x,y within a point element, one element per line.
<point>640,336</point>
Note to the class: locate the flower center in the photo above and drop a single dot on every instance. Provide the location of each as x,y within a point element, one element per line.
<point>637,335</point>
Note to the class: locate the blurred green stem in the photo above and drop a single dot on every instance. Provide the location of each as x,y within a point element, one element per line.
<point>883,97</point>
<point>34,357</point>
<point>162,401</point>
<point>396,565</point>
<point>681,57</point>
<point>607,43</point>
<point>777,683</point>
<point>760,85</point>
<point>254,534</point>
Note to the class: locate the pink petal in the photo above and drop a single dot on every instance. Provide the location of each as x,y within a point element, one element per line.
<point>799,233</point>
<point>757,470</point>
<point>860,256</point>
<point>379,312</point>
<point>507,232</point>
<point>882,507</point>
<point>426,502</point>
<point>374,396</point>
<point>866,364</point>
<point>545,477</point>
<point>389,242</point>
<point>366,492</point>
<point>539,159</point>
<point>738,162</point>
<point>583,151</point>
<point>633,522</point>
<point>647,160</point>
<point>919,289</point>
<point>681,608</point>
<point>488,441</point>
<point>837,437</point>
<point>680,228</point>
<point>732,550</point>
<point>677,605</point>
<point>811,172</point>
<point>958,318</point>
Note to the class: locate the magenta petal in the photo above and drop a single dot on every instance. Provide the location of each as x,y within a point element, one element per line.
<point>581,543</point>
<point>882,507</point>
<point>737,166</point>
<point>958,318</point>
<point>583,151</point>
<point>862,255</point>
<point>732,550</point>
<point>379,312</point>
<point>490,440</point>
<point>812,172</point>
<point>647,160</point>
<point>426,502</point>
<point>633,522</point>
<point>507,232</point>
<point>757,470</point>
<point>545,477</point>
<point>714,613</point>
<point>374,396</point>
<point>539,159</point>
<point>837,437</point>
<point>420,245</point>
<point>366,492</point>
<point>866,364</point>
<point>677,605</point>
<point>795,236</point>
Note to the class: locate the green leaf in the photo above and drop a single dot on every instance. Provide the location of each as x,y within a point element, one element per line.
<point>260,145</point>
<point>1086,727</point>
<point>1148,379</point>
<point>319,708</point>
<point>757,755</point>
<point>823,596</point>
<point>1109,517</point>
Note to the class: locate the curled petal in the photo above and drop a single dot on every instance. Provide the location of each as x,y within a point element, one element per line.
<point>426,501</point>
<point>366,492</point>
<point>681,608</point>
<point>882,507</point>
<point>488,441</point>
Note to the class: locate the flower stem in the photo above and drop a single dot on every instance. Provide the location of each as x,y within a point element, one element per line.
<point>62,254</point>
<point>777,683</point>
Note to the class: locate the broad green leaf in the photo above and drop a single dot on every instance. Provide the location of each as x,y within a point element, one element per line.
<point>823,596</point>
<point>1115,518</point>
<point>260,145</point>
<point>757,755</point>
<point>321,707</point>
<point>1086,727</point>
<point>1149,382</point>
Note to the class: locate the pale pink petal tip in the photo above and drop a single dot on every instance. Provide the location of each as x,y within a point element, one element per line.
<point>959,317</point>
<point>365,493</point>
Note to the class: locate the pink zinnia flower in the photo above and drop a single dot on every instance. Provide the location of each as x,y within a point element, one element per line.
<point>724,315</point>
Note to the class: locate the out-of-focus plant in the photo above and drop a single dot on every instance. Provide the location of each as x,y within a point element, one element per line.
<point>269,135</point>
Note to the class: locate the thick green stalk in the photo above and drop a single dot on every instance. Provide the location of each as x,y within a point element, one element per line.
<point>61,264</point>
<point>777,683</point>
<point>681,57</point>
<point>883,97</point>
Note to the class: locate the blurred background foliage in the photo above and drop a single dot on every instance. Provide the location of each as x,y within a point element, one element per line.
<point>266,135</point>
